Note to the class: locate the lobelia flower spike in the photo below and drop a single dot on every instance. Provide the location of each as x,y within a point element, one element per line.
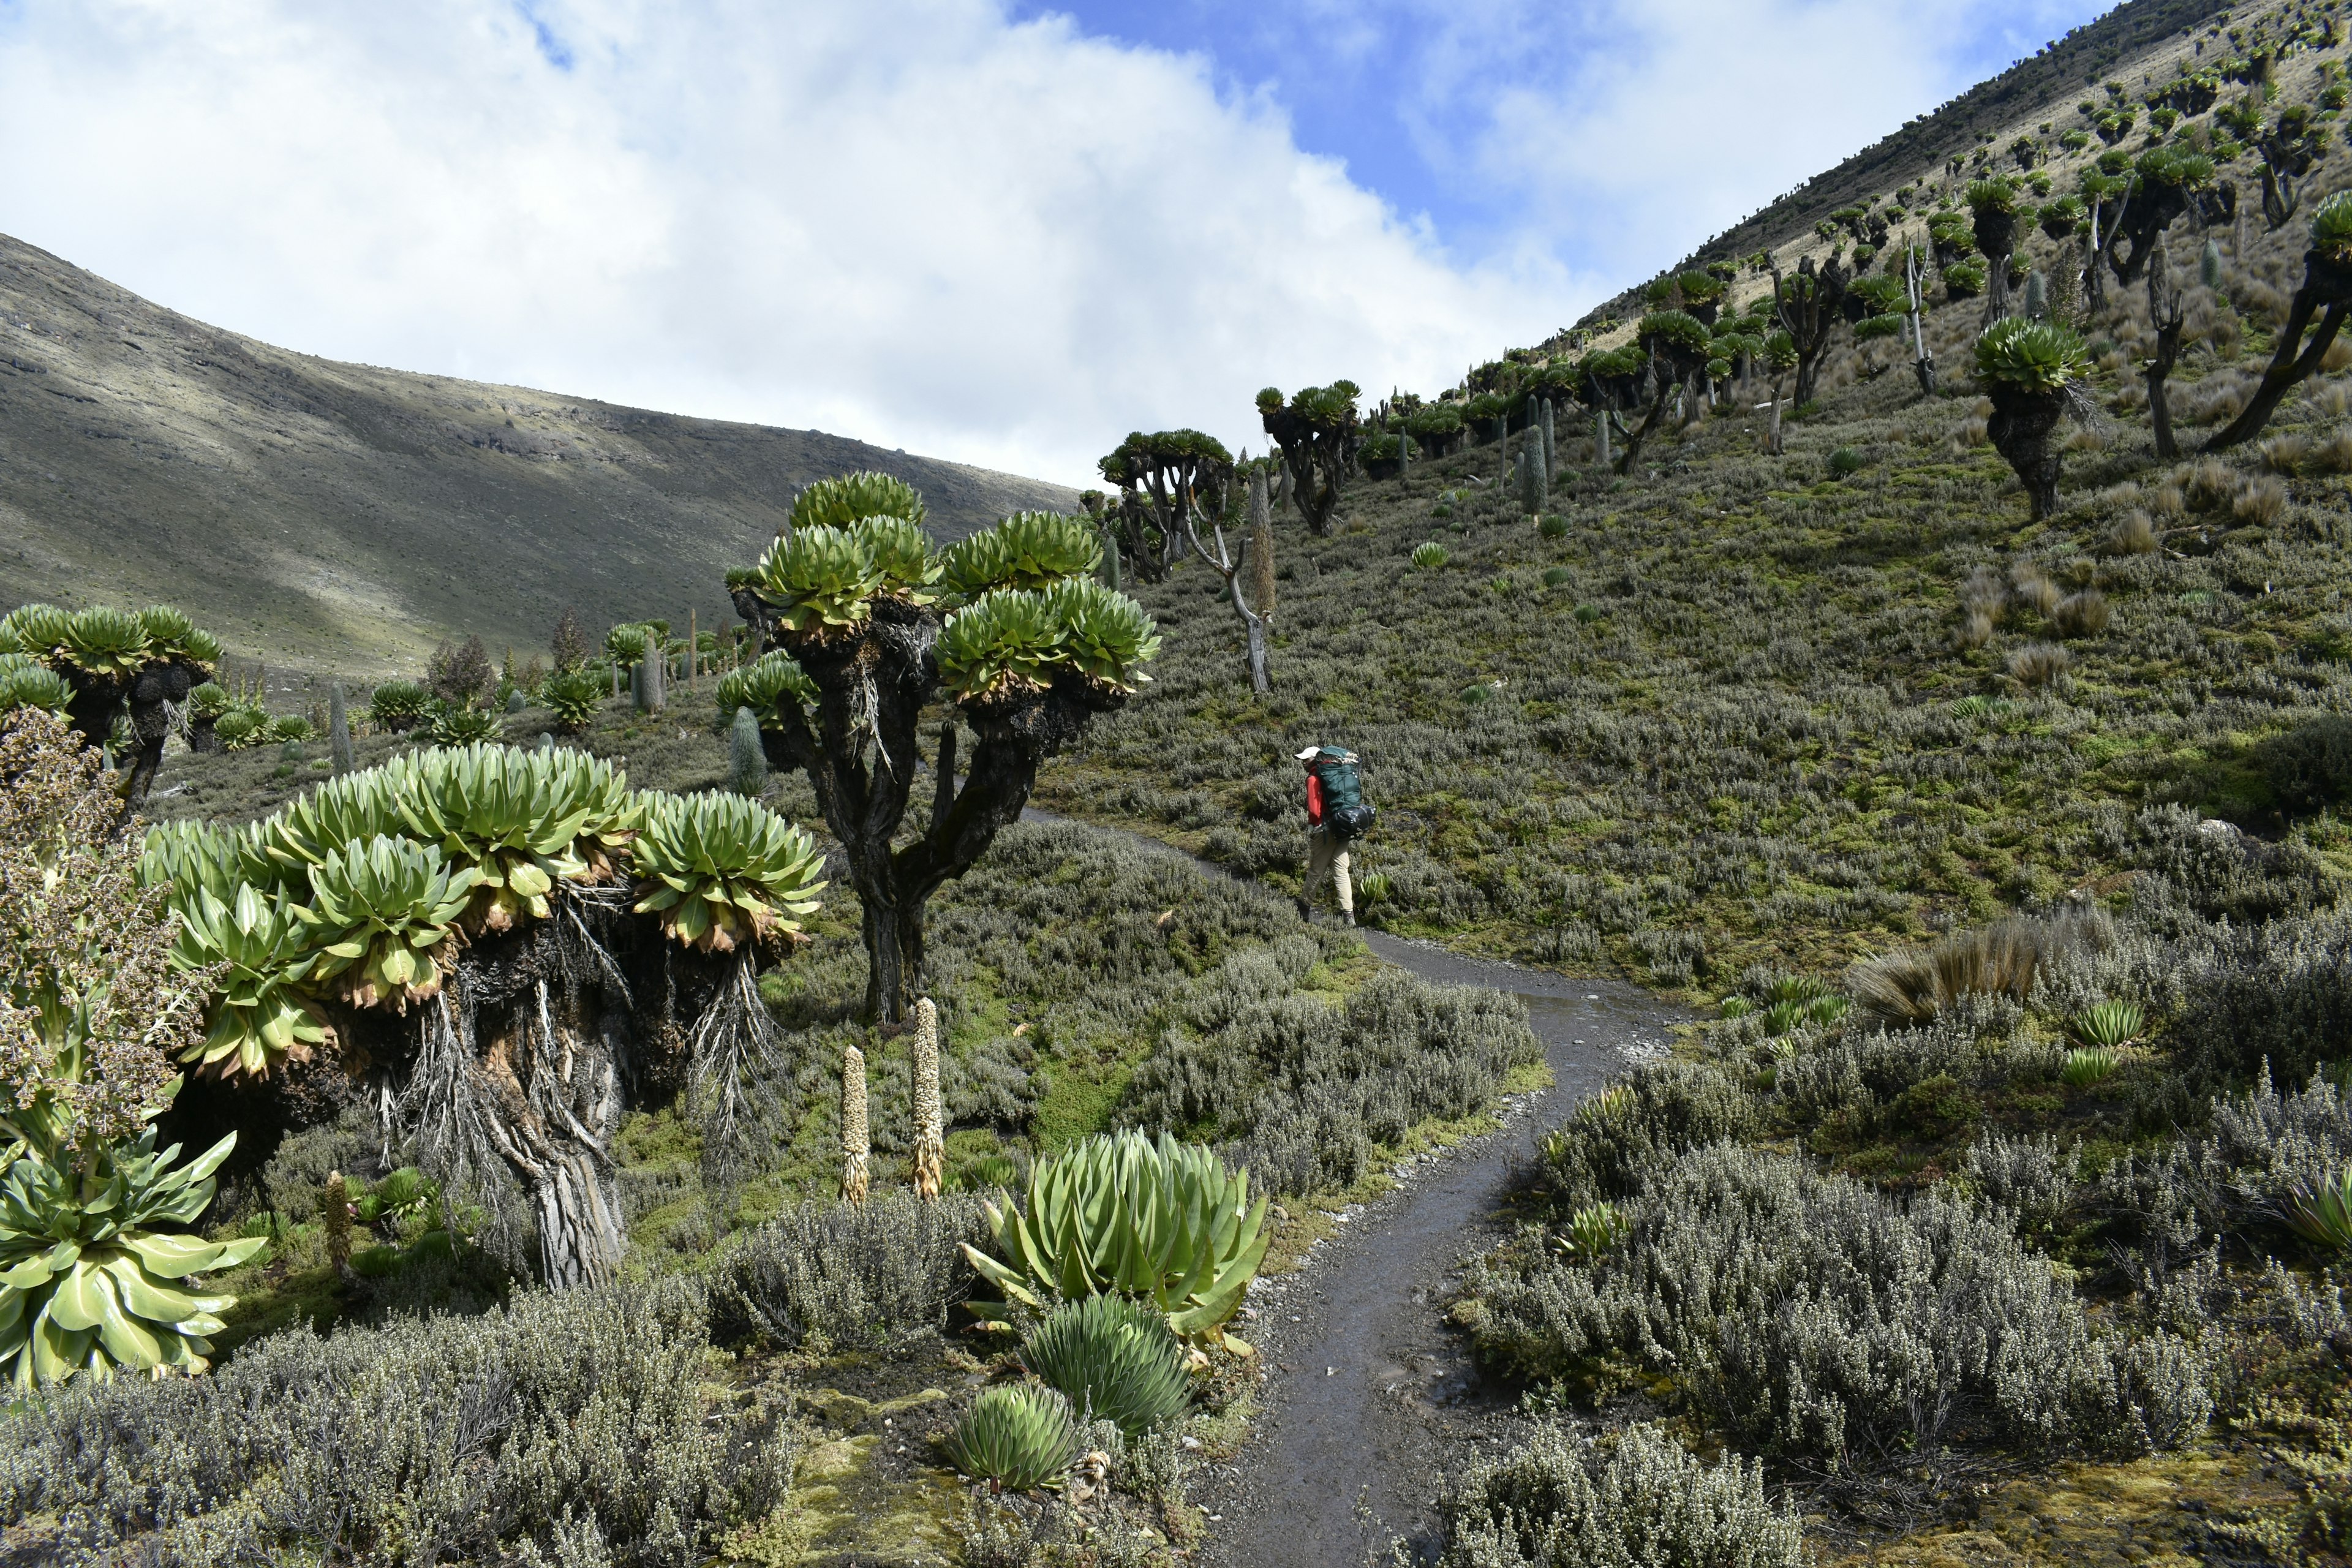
<point>931,1151</point>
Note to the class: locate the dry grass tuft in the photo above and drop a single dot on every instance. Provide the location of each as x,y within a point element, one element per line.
<point>2037,664</point>
<point>2133,534</point>
<point>2262,501</point>
<point>1912,987</point>
<point>2081,614</point>
<point>2033,587</point>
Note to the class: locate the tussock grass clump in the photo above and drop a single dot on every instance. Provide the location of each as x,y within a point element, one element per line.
<point>1914,987</point>
<point>2037,665</point>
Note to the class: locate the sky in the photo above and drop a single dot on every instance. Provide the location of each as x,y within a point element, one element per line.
<point>997,231</point>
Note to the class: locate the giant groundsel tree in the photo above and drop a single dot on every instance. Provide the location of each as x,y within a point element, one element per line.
<point>1315,433</point>
<point>864,625</point>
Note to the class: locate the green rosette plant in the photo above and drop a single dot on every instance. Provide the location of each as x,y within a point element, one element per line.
<point>37,629</point>
<point>1108,636</point>
<point>2331,230</point>
<point>188,856</point>
<point>721,870</point>
<point>381,920</point>
<point>354,807</point>
<point>626,644</point>
<point>171,634</point>
<point>240,729</point>
<point>497,810</point>
<point>1115,1359</point>
<point>851,498</point>
<point>819,579</point>
<point>105,642</point>
<point>461,724</point>
<point>1003,641</point>
<point>765,686</point>
<point>1020,1439</point>
<point>397,705</point>
<point>572,696</point>
<point>209,700</point>
<point>1027,550</point>
<point>27,682</point>
<point>1676,337</point>
<point>88,1282</point>
<point>1164,1222</point>
<point>903,554</point>
<point>260,1013</point>
<point>2038,357</point>
<point>614,812</point>
<point>2321,1211</point>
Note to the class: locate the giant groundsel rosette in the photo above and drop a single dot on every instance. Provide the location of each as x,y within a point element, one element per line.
<point>721,870</point>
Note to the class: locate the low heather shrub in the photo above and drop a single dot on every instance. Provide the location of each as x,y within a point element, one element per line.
<point>851,1274</point>
<point>1642,1124</point>
<point>1642,1501</point>
<point>574,1425</point>
<point>1818,1321</point>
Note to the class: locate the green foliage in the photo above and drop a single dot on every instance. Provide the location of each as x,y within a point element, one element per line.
<point>2331,230</point>
<point>1163,1221</point>
<point>1964,280</point>
<point>399,705</point>
<point>819,578</point>
<point>39,630</point>
<point>1434,423</point>
<point>1430,556</point>
<point>1593,1230</point>
<point>1845,462</point>
<point>2109,1024</point>
<point>1675,336</point>
<point>259,1015</point>
<point>88,1283</point>
<point>721,870</point>
<point>1993,195</point>
<point>1020,1439</point>
<point>2087,1065</point>
<point>240,728</point>
<point>171,634</point>
<point>902,554</point>
<point>25,682</point>
<point>461,724</point>
<point>2030,355</point>
<point>765,685</point>
<point>514,817</point>
<point>105,642</point>
<point>839,503</point>
<point>1028,550</point>
<point>1115,1360</point>
<point>2171,169</point>
<point>1552,525</point>
<point>1003,642</point>
<point>574,695</point>
<point>2321,1211</point>
<point>1105,635</point>
<point>381,920</point>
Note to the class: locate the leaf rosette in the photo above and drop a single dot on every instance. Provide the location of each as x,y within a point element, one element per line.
<point>88,1282</point>
<point>1002,643</point>
<point>765,686</point>
<point>721,870</point>
<point>1106,635</point>
<point>2030,356</point>
<point>260,1013</point>
<point>382,921</point>
<point>105,642</point>
<point>819,579</point>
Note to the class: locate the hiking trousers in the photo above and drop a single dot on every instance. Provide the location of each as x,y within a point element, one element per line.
<point>1326,854</point>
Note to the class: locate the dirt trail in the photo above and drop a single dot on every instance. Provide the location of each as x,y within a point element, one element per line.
<point>1371,1400</point>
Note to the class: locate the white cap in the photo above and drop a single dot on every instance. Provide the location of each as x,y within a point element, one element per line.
<point>1305,755</point>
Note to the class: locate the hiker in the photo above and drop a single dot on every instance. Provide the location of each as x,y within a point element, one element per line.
<point>1336,815</point>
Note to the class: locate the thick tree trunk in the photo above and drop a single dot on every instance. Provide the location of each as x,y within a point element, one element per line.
<point>2020,430</point>
<point>2295,360</point>
<point>524,1061</point>
<point>1632,453</point>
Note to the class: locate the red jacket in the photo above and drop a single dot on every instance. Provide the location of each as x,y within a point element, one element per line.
<point>1314,801</point>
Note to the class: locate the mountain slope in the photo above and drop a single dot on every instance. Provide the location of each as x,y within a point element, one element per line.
<point>2127,38</point>
<point>353,516</point>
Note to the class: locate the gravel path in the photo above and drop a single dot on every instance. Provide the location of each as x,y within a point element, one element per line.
<point>1371,1400</point>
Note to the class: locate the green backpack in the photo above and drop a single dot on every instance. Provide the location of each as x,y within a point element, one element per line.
<point>1344,811</point>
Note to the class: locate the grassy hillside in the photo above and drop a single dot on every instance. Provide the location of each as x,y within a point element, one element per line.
<point>1735,712</point>
<point>348,516</point>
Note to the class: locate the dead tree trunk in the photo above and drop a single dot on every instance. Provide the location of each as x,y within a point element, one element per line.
<point>2166,313</point>
<point>1233,566</point>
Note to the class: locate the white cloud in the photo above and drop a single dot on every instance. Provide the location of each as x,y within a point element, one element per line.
<point>910,222</point>
<point>1622,133</point>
